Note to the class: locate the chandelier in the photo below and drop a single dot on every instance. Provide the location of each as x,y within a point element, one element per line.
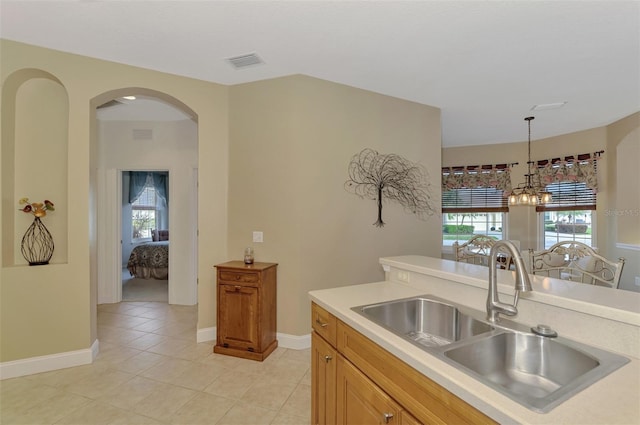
<point>529,193</point>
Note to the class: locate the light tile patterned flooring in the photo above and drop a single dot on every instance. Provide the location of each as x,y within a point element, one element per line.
<point>150,370</point>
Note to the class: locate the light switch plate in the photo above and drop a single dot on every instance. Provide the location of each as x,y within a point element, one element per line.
<point>257,237</point>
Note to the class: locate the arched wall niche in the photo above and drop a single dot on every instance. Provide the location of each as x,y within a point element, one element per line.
<point>35,126</point>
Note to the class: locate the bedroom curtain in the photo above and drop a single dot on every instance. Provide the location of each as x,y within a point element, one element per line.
<point>138,181</point>
<point>160,184</point>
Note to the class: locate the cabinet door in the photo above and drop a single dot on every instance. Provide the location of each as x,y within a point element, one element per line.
<point>407,419</point>
<point>360,401</point>
<point>323,381</point>
<point>238,316</point>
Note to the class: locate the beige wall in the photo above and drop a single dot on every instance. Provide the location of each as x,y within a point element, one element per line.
<point>291,142</point>
<point>290,155</point>
<point>51,309</point>
<point>622,214</point>
<point>522,221</point>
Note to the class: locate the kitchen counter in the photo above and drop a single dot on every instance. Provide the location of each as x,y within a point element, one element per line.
<point>612,400</point>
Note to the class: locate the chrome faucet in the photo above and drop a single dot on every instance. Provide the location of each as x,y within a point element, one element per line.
<point>494,306</point>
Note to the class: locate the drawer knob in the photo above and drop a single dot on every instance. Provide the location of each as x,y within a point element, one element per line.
<point>322,325</point>
<point>387,417</point>
<point>237,288</point>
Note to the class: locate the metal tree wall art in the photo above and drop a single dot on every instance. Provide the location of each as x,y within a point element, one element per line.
<point>375,176</point>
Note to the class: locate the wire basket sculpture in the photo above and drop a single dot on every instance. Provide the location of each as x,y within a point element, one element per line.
<point>37,244</point>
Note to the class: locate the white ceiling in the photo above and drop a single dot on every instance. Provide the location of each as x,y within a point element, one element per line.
<point>484,63</point>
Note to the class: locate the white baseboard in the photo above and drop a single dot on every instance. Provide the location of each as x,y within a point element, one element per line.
<point>294,342</point>
<point>33,365</point>
<point>206,334</point>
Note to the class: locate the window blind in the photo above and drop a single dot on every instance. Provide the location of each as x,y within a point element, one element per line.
<point>484,199</point>
<point>569,196</point>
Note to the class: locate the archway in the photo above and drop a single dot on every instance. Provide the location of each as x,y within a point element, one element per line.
<point>143,143</point>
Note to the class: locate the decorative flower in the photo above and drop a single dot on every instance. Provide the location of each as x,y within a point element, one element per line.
<point>39,209</point>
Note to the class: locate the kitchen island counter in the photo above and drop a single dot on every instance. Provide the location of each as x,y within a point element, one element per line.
<point>611,400</point>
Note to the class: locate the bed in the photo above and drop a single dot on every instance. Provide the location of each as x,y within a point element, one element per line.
<point>150,261</point>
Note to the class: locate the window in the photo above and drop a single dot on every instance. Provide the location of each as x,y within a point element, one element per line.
<point>473,202</point>
<point>469,212</point>
<point>144,213</point>
<point>569,215</point>
<point>462,226</point>
<point>572,225</point>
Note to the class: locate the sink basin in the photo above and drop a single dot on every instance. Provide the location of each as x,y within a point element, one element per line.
<point>424,321</point>
<point>538,372</point>
<point>535,371</point>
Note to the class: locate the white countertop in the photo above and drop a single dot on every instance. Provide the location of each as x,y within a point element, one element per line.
<point>612,400</point>
<point>620,305</point>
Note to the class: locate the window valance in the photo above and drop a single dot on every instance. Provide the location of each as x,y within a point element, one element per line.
<point>578,168</point>
<point>477,176</point>
<point>138,181</point>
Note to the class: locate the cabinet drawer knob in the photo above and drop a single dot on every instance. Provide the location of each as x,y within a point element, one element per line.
<point>387,417</point>
<point>327,358</point>
<point>322,325</point>
<point>237,288</point>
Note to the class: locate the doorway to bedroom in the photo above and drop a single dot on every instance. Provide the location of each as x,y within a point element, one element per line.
<point>145,236</point>
<point>151,133</point>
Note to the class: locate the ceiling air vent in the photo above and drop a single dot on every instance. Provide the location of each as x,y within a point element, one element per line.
<point>548,106</point>
<point>142,134</point>
<point>244,61</point>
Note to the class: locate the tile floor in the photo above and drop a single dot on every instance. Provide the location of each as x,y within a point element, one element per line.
<point>150,370</point>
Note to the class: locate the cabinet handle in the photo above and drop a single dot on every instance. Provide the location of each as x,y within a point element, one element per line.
<point>237,288</point>
<point>387,417</point>
<point>327,358</point>
<point>322,325</point>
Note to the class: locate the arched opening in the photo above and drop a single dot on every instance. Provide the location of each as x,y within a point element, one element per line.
<point>153,134</point>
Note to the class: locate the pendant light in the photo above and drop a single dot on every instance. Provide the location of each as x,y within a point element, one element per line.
<point>528,193</point>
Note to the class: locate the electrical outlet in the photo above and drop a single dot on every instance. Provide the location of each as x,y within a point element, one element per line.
<point>258,237</point>
<point>403,276</point>
<point>637,280</point>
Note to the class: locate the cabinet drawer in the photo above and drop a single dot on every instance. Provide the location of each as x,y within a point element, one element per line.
<point>239,277</point>
<point>324,323</point>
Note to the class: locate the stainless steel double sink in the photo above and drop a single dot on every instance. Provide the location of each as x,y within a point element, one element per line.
<point>536,371</point>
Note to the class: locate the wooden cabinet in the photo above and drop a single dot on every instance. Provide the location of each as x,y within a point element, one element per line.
<point>360,401</point>
<point>323,378</point>
<point>246,314</point>
<point>369,385</point>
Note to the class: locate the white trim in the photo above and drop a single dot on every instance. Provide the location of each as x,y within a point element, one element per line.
<point>33,365</point>
<point>206,334</point>
<point>628,246</point>
<point>95,349</point>
<point>293,342</point>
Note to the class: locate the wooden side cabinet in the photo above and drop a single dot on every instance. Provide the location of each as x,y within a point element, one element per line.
<point>246,313</point>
